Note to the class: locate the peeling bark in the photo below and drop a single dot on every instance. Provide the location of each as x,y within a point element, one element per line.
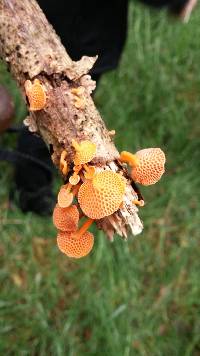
<point>31,49</point>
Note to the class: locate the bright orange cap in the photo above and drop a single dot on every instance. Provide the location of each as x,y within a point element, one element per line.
<point>66,219</point>
<point>102,195</point>
<point>74,179</point>
<point>65,198</point>
<point>36,95</point>
<point>73,247</point>
<point>85,151</point>
<point>151,166</point>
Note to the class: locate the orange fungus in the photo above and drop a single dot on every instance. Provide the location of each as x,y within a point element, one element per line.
<point>85,151</point>
<point>151,166</point>
<point>66,219</point>
<point>74,247</point>
<point>65,197</point>
<point>102,195</point>
<point>36,94</point>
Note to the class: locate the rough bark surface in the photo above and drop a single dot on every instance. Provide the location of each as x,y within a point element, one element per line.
<point>31,49</point>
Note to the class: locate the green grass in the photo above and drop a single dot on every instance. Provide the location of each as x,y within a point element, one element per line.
<point>139,297</point>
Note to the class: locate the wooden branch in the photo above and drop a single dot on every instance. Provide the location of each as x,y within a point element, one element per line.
<point>31,49</point>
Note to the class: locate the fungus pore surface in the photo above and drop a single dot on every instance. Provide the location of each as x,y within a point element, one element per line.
<point>85,152</point>
<point>74,247</point>
<point>101,196</point>
<point>66,219</point>
<point>151,166</point>
<point>36,95</point>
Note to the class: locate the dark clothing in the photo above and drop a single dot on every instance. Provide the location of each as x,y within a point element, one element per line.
<point>89,27</point>
<point>34,182</point>
<point>174,6</point>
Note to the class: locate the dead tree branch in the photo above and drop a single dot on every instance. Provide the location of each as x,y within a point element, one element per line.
<point>31,49</point>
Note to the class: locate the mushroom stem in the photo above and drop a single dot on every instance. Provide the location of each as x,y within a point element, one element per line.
<point>83,229</point>
<point>89,171</point>
<point>75,189</point>
<point>138,202</point>
<point>81,215</point>
<point>129,158</point>
<point>77,168</point>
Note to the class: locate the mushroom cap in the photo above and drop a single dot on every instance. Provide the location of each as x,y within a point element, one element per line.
<point>66,219</point>
<point>102,195</point>
<point>74,179</point>
<point>151,166</point>
<point>36,95</point>
<point>75,248</point>
<point>65,198</point>
<point>85,152</point>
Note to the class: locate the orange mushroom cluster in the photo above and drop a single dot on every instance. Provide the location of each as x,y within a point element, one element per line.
<point>72,241</point>
<point>98,194</point>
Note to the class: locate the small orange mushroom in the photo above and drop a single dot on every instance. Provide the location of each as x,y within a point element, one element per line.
<point>74,179</point>
<point>65,196</point>
<point>85,152</point>
<point>67,193</point>
<point>148,165</point>
<point>66,219</point>
<point>36,94</point>
<point>73,247</point>
<point>102,195</point>
<point>63,163</point>
<point>151,166</point>
<point>138,202</point>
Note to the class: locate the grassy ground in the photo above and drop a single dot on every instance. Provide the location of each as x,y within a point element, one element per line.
<point>134,298</point>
